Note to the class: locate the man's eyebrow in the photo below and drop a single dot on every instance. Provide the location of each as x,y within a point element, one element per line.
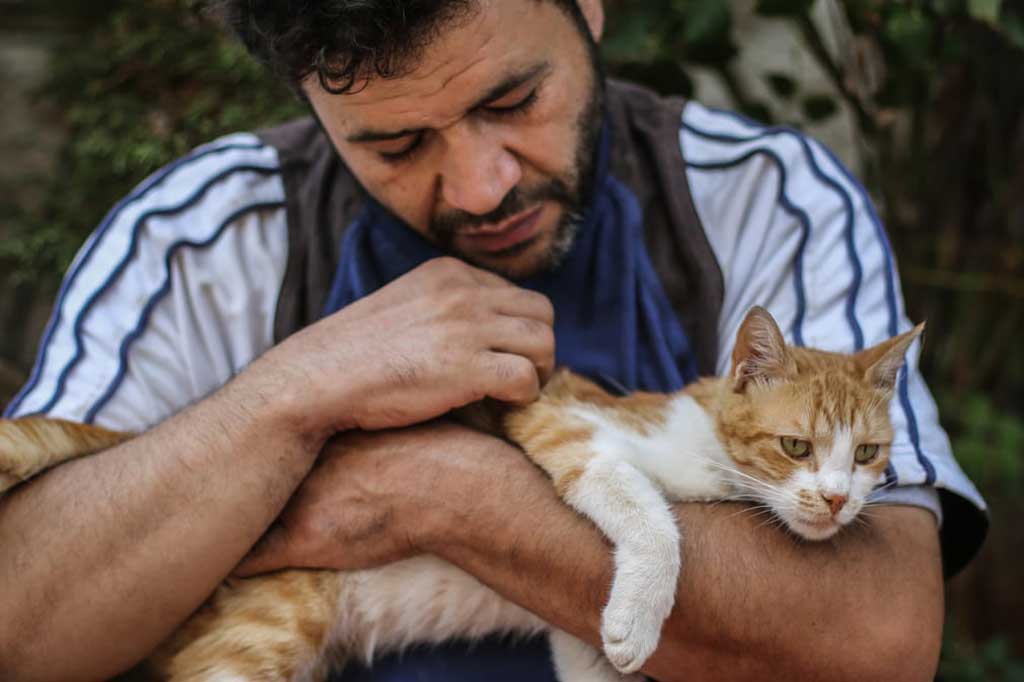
<point>381,135</point>
<point>497,92</point>
<point>510,84</point>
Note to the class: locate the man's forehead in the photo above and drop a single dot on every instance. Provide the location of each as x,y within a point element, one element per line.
<point>467,59</point>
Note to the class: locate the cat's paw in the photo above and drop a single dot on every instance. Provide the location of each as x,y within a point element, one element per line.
<point>642,596</point>
<point>629,637</point>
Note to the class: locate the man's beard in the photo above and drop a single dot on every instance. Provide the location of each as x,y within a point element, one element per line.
<point>572,192</point>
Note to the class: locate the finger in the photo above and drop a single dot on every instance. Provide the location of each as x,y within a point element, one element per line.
<point>273,552</point>
<point>508,377</point>
<point>516,302</point>
<point>487,278</point>
<point>447,271</point>
<point>527,337</point>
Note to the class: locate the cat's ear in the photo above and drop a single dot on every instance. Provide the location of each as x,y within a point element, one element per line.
<point>881,363</point>
<point>760,351</point>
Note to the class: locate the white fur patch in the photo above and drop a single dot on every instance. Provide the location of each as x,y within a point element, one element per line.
<point>421,600</point>
<point>226,676</point>
<point>685,457</point>
<point>835,467</point>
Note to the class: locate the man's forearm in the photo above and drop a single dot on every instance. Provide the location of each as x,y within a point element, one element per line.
<point>102,557</point>
<point>753,603</point>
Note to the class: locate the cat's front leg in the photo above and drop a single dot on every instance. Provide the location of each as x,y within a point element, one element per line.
<point>634,515</point>
<point>577,661</point>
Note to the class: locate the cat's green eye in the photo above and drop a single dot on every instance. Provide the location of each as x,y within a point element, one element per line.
<point>865,453</point>
<point>796,448</point>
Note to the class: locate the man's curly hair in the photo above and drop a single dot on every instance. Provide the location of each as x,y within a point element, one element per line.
<point>344,42</point>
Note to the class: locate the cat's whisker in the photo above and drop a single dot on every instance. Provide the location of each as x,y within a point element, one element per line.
<point>766,515</point>
<point>773,520</point>
<point>860,521</point>
<point>865,514</point>
<point>884,486</point>
<point>752,483</point>
<point>752,510</point>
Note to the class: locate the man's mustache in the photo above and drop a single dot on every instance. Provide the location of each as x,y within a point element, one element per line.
<point>445,226</point>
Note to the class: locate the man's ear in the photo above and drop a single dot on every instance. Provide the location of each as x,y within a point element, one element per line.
<point>593,12</point>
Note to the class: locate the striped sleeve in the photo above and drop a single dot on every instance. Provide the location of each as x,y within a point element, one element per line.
<point>793,231</point>
<point>172,294</point>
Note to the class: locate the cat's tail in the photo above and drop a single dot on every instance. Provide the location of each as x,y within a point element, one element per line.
<point>31,444</point>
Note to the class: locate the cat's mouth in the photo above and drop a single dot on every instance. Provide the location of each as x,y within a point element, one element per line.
<point>814,528</point>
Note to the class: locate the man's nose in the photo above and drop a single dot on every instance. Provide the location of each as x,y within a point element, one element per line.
<point>478,171</point>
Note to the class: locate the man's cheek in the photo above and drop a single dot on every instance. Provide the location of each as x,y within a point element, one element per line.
<point>410,200</point>
<point>551,154</point>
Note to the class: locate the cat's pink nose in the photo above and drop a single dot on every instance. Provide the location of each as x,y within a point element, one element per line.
<point>834,502</point>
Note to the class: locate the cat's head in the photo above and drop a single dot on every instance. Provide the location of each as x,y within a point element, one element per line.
<point>808,430</point>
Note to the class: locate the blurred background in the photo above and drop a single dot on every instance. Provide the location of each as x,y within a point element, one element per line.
<point>923,99</point>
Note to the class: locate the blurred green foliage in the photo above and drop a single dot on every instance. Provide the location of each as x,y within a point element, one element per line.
<point>136,89</point>
<point>988,443</point>
<point>991,661</point>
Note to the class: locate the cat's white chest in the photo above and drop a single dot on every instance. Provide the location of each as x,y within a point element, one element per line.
<point>683,456</point>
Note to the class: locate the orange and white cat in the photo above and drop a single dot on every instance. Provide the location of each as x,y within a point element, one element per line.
<point>801,432</point>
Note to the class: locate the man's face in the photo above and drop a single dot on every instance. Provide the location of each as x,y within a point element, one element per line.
<point>486,147</point>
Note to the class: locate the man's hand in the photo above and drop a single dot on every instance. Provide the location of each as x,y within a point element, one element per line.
<point>442,336</point>
<point>369,497</point>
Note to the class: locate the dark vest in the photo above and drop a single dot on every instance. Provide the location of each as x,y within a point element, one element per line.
<point>324,198</point>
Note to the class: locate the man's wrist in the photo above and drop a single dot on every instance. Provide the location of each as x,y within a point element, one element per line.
<point>273,403</point>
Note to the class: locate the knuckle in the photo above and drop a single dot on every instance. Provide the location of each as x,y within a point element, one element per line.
<point>543,304</point>
<point>459,302</point>
<point>522,379</point>
<point>541,337</point>
<point>438,273</point>
<point>534,329</point>
<point>446,266</point>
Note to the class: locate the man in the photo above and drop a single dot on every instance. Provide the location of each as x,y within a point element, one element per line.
<point>482,129</point>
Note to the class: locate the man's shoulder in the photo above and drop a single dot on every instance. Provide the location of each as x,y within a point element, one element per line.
<point>196,248</point>
<point>191,202</point>
<point>229,175</point>
<point>299,140</point>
